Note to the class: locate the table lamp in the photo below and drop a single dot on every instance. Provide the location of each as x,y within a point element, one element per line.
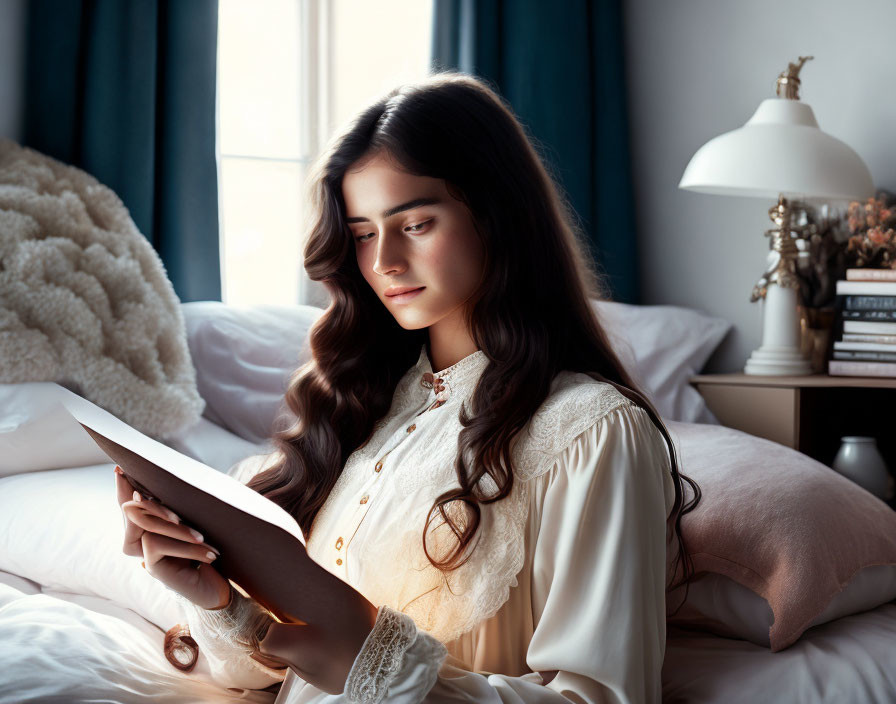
<point>780,153</point>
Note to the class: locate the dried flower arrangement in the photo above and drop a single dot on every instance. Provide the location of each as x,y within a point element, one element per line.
<point>822,259</point>
<point>873,228</point>
<point>833,241</point>
<point>821,262</point>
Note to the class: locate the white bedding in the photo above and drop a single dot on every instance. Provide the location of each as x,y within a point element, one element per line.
<point>104,652</point>
<point>850,660</point>
<point>59,646</point>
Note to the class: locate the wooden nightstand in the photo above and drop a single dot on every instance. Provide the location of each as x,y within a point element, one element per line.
<point>808,413</point>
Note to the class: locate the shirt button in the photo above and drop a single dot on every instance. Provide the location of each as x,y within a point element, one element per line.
<point>338,561</point>
<point>364,499</point>
<point>339,543</point>
<point>412,428</point>
<point>379,466</point>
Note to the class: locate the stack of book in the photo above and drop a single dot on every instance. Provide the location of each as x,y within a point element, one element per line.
<point>865,336</point>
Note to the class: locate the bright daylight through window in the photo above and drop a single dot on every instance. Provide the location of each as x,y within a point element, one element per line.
<point>290,72</point>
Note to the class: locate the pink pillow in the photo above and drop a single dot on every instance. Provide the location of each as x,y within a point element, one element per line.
<point>783,525</point>
<point>724,607</point>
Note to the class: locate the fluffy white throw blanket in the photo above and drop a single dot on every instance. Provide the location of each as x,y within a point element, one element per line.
<point>85,300</point>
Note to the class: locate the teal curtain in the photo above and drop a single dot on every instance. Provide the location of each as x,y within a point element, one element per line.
<point>560,65</point>
<point>126,91</point>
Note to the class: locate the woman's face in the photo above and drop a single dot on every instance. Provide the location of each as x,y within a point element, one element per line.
<point>411,233</point>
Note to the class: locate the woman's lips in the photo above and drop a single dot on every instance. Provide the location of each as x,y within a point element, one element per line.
<point>404,297</point>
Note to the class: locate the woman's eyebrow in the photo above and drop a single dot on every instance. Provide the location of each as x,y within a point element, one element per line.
<point>416,203</point>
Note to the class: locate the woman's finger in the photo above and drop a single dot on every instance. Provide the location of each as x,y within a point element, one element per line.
<point>146,516</point>
<point>131,544</point>
<point>271,662</point>
<point>125,492</point>
<point>159,508</point>
<point>155,508</point>
<point>204,586</point>
<point>156,547</point>
<point>135,509</point>
<point>123,488</point>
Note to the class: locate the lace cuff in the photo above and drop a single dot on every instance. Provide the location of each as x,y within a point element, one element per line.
<point>386,659</point>
<point>232,633</point>
<point>241,624</point>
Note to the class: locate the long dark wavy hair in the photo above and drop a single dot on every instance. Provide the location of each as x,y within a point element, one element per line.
<point>532,315</point>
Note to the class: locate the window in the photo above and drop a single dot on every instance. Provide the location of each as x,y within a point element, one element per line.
<point>290,72</point>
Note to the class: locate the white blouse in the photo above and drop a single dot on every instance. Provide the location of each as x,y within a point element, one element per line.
<point>568,572</point>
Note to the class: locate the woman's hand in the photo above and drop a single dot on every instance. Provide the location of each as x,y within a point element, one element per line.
<point>321,658</point>
<point>170,549</point>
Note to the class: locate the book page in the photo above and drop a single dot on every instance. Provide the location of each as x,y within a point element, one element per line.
<point>187,469</point>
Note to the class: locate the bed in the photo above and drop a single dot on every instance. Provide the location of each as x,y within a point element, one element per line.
<point>800,611</point>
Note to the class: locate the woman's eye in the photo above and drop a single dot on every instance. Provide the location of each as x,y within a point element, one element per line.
<point>411,228</point>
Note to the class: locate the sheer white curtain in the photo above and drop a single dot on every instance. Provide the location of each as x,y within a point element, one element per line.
<point>290,72</point>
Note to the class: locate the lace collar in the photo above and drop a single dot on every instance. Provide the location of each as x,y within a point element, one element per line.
<point>458,380</point>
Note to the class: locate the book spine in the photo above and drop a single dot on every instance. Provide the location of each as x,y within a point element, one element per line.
<point>871,274</point>
<point>866,288</point>
<point>869,327</point>
<point>863,346</point>
<point>869,303</point>
<point>865,355</point>
<point>867,308</point>
<point>869,315</point>
<point>869,337</point>
<point>841,367</point>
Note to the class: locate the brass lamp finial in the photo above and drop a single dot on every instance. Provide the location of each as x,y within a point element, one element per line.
<point>789,82</point>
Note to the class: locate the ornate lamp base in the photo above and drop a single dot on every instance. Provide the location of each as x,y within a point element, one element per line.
<point>773,362</point>
<point>780,351</point>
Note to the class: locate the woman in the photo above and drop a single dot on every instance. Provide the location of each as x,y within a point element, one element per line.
<point>469,453</point>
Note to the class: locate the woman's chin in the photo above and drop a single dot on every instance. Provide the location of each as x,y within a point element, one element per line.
<point>411,322</point>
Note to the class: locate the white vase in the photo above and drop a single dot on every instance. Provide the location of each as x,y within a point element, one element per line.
<point>860,461</point>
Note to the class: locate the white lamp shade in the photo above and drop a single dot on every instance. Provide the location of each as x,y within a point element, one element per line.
<point>780,150</point>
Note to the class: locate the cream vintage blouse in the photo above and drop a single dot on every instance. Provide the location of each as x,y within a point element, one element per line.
<point>568,573</point>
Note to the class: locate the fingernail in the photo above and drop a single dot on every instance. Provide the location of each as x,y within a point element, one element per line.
<point>210,555</point>
<point>118,470</point>
<point>216,551</point>
<point>196,534</point>
<point>137,496</point>
<point>143,565</point>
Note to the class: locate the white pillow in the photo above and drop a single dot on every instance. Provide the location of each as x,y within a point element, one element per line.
<point>212,445</point>
<point>63,529</point>
<point>19,584</point>
<point>37,433</point>
<point>244,357</point>
<point>662,347</point>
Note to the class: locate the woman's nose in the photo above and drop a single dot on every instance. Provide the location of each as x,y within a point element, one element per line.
<point>390,258</point>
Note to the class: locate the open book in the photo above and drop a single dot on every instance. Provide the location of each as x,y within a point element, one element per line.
<point>262,546</point>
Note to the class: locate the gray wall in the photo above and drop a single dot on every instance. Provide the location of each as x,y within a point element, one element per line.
<point>699,68</point>
<point>12,40</point>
